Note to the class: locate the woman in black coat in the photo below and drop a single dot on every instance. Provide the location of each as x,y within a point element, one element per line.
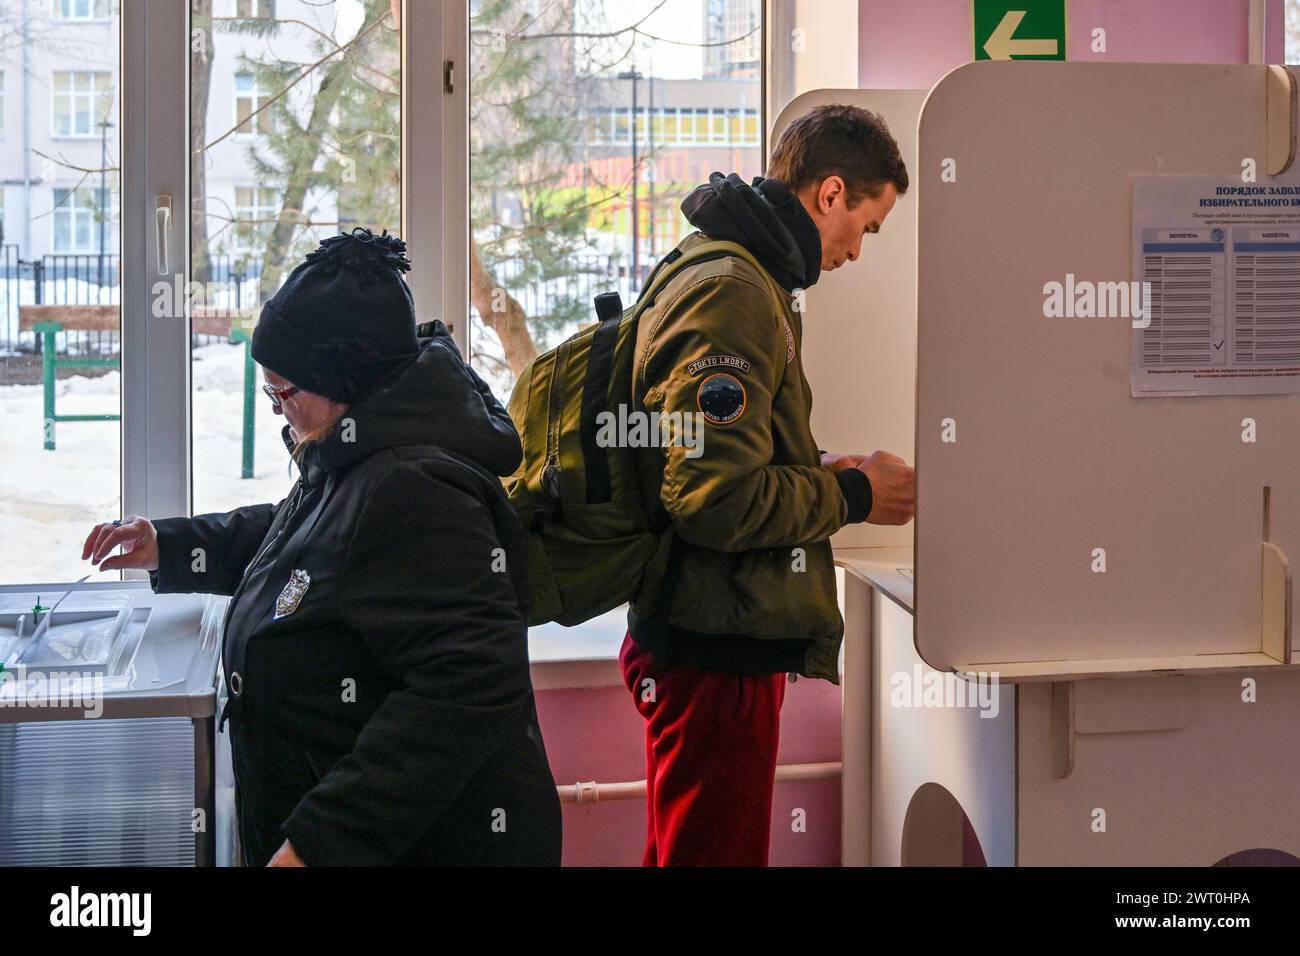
<point>375,648</point>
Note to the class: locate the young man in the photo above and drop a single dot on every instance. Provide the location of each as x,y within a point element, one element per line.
<point>742,590</point>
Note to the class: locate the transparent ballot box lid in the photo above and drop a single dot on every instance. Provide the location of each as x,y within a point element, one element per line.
<point>88,632</point>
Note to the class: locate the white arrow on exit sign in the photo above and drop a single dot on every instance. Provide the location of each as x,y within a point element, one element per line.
<point>1001,46</point>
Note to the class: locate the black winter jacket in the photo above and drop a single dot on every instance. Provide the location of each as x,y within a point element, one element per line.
<point>375,647</point>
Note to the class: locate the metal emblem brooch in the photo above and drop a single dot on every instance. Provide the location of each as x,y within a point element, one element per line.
<point>291,596</point>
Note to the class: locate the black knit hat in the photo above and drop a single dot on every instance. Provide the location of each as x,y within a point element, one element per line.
<point>343,320</point>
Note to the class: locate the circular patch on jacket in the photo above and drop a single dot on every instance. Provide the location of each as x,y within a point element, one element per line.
<point>721,398</point>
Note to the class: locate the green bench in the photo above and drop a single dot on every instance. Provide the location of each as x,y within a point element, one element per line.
<point>47,321</point>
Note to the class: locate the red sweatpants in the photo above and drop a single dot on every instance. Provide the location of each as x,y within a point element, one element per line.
<point>710,754</point>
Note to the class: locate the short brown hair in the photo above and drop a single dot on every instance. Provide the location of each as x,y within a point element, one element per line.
<point>838,140</point>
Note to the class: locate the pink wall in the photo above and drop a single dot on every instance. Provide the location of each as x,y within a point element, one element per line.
<point>596,734</point>
<point>912,45</point>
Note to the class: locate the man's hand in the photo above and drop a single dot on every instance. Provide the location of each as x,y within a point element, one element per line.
<point>893,488</point>
<point>135,535</point>
<point>285,856</point>
<point>837,462</point>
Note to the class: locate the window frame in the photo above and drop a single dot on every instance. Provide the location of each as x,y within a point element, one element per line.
<point>156,429</point>
<point>156,403</point>
<point>154,136</point>
<point>435,161</point>
<point>154,143</point>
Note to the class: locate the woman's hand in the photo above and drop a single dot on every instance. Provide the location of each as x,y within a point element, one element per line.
<point>286,856</point>
<point>135,535</point>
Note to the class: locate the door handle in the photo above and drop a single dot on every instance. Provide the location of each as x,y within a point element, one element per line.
<point>162,211</point>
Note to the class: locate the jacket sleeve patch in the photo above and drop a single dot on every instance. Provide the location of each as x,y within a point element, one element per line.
<point>709,362</point>
<point>721,398</point>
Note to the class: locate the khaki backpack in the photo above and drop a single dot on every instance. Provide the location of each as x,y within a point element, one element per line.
<point>590,529</point>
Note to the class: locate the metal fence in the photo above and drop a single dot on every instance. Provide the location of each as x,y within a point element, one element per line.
<point>585,277</point>
<point>92,279</point>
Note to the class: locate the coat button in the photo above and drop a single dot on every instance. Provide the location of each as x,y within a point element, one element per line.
<point>236,683</point>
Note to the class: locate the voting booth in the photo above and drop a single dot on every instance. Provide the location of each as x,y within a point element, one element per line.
<point>1087,654</point>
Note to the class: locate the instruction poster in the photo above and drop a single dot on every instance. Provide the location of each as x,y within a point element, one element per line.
<point>1217,265</point>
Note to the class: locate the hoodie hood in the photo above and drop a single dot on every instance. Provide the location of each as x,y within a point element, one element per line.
<point>433,399</point>
<point>766,218</point>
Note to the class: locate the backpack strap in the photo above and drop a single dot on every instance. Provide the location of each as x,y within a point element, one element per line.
<point>677,260</point>
<point>595,398</point>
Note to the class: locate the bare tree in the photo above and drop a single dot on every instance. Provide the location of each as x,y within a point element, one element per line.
<point>200,85</point>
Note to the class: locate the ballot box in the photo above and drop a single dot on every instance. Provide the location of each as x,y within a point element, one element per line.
<point>108,748</point>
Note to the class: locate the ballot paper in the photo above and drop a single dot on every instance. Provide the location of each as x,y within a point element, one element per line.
<point>1218,263</point>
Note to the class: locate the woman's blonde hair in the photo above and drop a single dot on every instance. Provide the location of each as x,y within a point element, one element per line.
<point>315,435</point>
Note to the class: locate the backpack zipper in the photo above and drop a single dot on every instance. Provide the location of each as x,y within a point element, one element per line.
<point>551,470</point>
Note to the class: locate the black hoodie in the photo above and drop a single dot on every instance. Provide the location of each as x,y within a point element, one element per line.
<point>375,647</point>
<point>766,218</point>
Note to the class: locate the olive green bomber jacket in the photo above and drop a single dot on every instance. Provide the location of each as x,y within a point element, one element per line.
<point>751,507</point>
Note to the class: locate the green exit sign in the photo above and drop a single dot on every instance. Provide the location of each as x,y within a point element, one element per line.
<point>1024,30</point>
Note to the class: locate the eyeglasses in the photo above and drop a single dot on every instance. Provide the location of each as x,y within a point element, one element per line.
<point>278,395</point>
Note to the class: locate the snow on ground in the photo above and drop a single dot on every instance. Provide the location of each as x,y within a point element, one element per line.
<point>49,500</point>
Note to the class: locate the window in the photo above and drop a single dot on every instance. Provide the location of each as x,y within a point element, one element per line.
<point>144,444</point>
<point>695,126</point>
<point>82,101</point>
<point>81,9</point>
<point>672,126</point>
<point>561,206</point>
<point>60,447</point>
<point>83,220</point>
<point>2,104</point>
<point>718,127</point>
<point>255,9</point>
<point>256,208</point>
<point>263,199</point>
<point>249,99</point>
